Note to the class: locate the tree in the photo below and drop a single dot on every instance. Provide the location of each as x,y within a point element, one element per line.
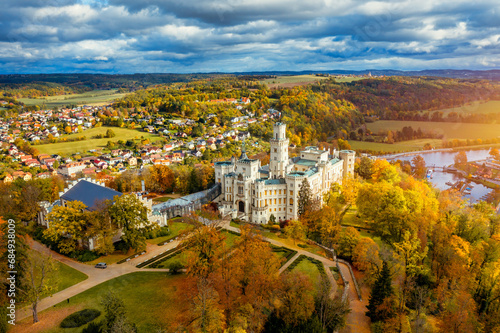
<point>365,168</point>
<point>343,144</point>
<point>115,320</point>
<point>347,240</point>
<point>297,301</point>
<point>67,224</point>
<point>129,213</point>
<point>419,168</point>
<point>110,133</point>
<point>39,278</point>
<point>381,292</point>
<point>305,197</point>
<point>495,154</point>
<point>365,256</point>
<point>331,311</point>
<point>461,158</point>
<point>101,228</point>
<point>295,230</point>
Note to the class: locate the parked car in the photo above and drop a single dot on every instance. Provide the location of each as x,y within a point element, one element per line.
<point>101,265</point>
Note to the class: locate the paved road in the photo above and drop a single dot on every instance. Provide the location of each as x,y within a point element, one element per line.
<point>356,320</point>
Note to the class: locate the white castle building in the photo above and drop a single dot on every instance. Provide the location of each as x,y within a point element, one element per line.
<point>253,193</point>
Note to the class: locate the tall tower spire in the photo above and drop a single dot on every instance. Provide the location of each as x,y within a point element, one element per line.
<point>279,151</point>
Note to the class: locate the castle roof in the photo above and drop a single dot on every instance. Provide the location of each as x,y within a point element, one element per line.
<point>89,193</point>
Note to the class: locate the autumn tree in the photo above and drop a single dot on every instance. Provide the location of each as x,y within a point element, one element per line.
<point>101,228</point>
<point>297,300</point>
<point>115,320</point>
<point>331,311</point>
<point>419,168</point>
<point>461,158</point>
<point>365,168</point>
<point>67,225</point>
<point>130,214</point>
<point>40,278</point>
<point>295,230</point>
<point>346,241</point>
<point>495,154</point>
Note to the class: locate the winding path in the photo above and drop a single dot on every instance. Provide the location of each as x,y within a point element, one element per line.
<point>356,320</point>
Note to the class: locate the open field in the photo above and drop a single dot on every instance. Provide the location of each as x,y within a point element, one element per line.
<point>476,107</point>
<point>449,130</point>
<point>403,146</point>
<point>67,276</point>
<point>148,298</point>
<point>292,80</point>
<point>94,97</point>
<point>86,145</point>
<point>310,269</point>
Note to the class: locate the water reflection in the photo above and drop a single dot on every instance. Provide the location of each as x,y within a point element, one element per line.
<point>439,178</point>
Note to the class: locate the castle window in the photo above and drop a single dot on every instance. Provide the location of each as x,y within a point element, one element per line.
<point>280,201</point>
<point>275,150</point>
<point>266,202</point>
<point>275,201</point>
<point>291,201</point>
<point>291,192</point>
<point>265,192</point>
<point>290,210</point>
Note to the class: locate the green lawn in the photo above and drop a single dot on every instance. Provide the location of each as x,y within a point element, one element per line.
<point>292,245</point>
<point>449,130</point>
<point>310,269</point>
<point>94,97</point>
<point>86,145</point>
<point>67,276</point>
<point>175,229</point>
<point>149,299</point>
<point>350,219</point>
<point>230,239</point>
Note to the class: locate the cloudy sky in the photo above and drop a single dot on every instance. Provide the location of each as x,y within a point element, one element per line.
<point>181,36</point>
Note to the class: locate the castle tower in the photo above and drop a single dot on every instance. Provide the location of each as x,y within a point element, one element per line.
<point>279,151</point>
<point>347,157</point>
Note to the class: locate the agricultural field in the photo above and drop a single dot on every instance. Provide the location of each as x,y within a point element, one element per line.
<point>94,97</point>
<point>476,107</point>
<point>292,80</point>
<point>86,145</point>
<point>449,130</point>
<point>404,146</point>
<point>158,288</point>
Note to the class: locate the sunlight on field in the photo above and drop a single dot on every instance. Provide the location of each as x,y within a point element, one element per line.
<point>94,97</point>
<point>410,145</point>
<point>86,145</point>
<point>449,130</point>
<point>476,107</point>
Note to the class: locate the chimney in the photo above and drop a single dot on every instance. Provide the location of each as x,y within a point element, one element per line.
<point>143,186</point>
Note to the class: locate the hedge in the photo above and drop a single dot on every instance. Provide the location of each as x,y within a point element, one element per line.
<point>80,318</point>
<point>318,263</point>
<point>135,255</point>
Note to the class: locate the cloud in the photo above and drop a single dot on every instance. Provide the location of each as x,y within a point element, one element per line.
<point>127,36</point>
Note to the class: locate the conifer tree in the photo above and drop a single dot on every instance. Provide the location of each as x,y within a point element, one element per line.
<point>381,291</point>
<point>305,197</point>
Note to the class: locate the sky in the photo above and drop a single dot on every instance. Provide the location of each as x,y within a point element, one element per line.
<point>188,36</point>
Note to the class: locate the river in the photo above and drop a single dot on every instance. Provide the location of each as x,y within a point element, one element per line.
<point>439,178</point>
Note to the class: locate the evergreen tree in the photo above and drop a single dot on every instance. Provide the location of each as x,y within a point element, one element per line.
<point>305,197</point>
<point>381,291</point>
<point>365,168</point>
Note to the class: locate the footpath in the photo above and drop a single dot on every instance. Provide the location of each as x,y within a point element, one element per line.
<point>356,320</point>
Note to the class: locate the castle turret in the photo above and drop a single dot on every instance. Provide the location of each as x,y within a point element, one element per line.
<point>279,151</point>
<point>347,157</point>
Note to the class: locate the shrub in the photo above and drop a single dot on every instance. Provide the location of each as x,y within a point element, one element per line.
<point>302,245</point>
<point>84,256</point>
<point>93,328</point>
<point>80,318</point>
<point>175,267</point>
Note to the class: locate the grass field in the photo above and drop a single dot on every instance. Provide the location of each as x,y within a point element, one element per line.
<point>67,276</point>
<point>175,229</point>
<point>476,107</point>
<point>410,145</point>
<point>86,145</point>
<point>449,130</point>
<point>148,298</point>
<point>294,79</point>
<point>310,269</point>
<point>94,97</point>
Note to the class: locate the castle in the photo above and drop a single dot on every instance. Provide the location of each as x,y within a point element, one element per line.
<point>254,193</point>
